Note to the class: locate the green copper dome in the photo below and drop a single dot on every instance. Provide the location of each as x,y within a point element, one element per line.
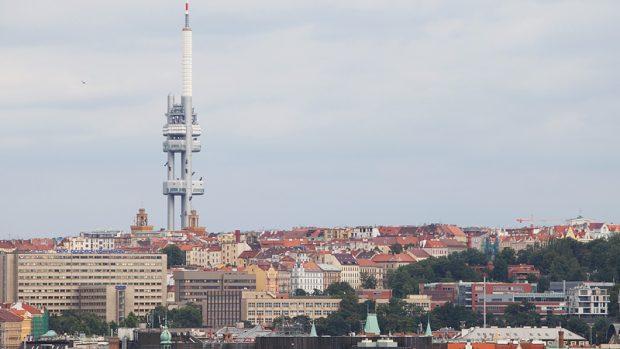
<point>165,337</point>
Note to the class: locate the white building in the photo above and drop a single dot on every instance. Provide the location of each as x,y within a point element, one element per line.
<point>92,241</point>
<point>307,276</point>
<point>587,300</point>
<point>365,232</point>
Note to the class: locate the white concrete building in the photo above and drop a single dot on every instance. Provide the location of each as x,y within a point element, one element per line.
<point>92,241</point>
<point>365,232</point>
<point>586,300</point>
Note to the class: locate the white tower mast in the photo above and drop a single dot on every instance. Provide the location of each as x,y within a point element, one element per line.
<point>181,130</point>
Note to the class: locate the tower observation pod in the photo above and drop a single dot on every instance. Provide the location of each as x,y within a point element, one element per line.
<point>181,132</point>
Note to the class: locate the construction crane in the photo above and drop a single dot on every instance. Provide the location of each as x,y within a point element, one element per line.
<point>531,219</point>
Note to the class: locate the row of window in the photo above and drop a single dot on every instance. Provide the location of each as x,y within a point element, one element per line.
<point>292,305</point>
<point>288,313</point>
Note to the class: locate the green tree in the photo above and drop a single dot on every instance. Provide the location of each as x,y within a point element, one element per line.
<point>398,316</point>
<point>339,289</point>
<point>521,314</point>
<point>368,281</point>
<point>613,302</point>
<point>72,322</point>
<point>304,322</point>
<point>396,248</point>
<point>300,292</point>
<point>578,325</point>
<point>131,321</point>
<point>543,284</point>
<point>185,317</point>
<point>175,255</point>
<point>599,331</point>
<point>451,315</point>
<point>280,320</point>
<point>405,280</point>
<point>334,325</point>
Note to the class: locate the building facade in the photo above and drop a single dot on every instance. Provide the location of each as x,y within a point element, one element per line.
<point>586,300</point>
<point>217,292</point>
<point>53,280</point>
<point>263,307</point>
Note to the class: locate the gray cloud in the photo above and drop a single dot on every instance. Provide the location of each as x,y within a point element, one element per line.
<point>355,112</point>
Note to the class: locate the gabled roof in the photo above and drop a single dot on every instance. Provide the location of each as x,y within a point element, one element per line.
<point>418,253</point>
<point>393,258</point>
<point>366,263</point>
<point>8,316</point>
<point>345,259</point>
<point>248,254</point>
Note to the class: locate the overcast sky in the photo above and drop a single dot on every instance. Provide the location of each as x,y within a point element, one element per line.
<point>322,113</point>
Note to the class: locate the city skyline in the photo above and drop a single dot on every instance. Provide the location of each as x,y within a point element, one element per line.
<point>313,113</point>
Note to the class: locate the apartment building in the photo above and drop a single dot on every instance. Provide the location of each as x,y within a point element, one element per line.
<point>350,269</point>
<point>263,307</point>
<point>306,276</point>
<point>331,274</point>
<point>10,330</point>
<point>55,280</point>
<point>217,292</point>
<point>587,300</point>
<point>370,268</point>
<point>95,240</point>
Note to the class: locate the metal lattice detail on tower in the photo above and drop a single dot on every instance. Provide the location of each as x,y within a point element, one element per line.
<point>182,131</point>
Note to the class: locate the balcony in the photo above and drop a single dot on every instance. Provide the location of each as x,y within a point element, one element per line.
<point>178,145</point>
<point>179,130</point>
<point>177,187</point>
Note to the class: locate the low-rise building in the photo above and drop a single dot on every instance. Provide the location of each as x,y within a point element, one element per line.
<point>10,330</point>
<point>263,307</point>
<point>421,301</point>
<point>370,268</point>
<point>392,261</point>
<point>550,336</point>
<point>331,274</point>
<point>521,272</point>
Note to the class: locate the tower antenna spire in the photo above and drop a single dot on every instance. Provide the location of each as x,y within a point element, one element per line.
<point>186,13</point>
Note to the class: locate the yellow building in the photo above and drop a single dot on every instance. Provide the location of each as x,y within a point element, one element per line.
<point>10,330</point>
<point>422,301</point>
<point>266,277</point>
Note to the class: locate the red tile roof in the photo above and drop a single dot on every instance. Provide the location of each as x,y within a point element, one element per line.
<point>8,316</point>
<point>393,258</point>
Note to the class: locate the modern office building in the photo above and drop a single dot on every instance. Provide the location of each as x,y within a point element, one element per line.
<point>60,281</point>
<point>263,307</point>
<point>217,292</point>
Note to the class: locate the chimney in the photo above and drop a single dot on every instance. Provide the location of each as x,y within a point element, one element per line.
<point>561,339</point>
<point>237,236</point>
